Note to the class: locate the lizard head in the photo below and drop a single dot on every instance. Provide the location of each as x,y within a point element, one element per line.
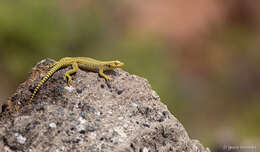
<point>113,65</point>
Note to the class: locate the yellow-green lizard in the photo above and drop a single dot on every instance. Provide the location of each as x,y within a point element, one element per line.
<point>76,63</point>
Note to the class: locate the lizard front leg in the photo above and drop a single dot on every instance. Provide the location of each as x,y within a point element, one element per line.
<point>74,69</point>
<point>101,73</point>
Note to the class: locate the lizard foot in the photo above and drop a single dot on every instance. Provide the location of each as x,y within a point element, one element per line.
<point>68,79</point>
<point>108,78</point>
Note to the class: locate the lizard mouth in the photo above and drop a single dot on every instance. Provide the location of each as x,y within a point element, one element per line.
<point>121,64</point>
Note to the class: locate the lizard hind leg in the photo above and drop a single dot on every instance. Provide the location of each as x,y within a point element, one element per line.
<point>74,69</point>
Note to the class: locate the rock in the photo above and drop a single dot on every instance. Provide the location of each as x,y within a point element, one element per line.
<point>123,115</point>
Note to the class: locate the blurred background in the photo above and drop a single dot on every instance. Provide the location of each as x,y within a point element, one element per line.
<point>202,57</point>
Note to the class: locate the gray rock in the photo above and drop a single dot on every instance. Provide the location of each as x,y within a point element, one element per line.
<point>123,115</point>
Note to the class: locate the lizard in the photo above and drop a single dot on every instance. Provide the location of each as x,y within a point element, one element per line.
<point>84,63</point>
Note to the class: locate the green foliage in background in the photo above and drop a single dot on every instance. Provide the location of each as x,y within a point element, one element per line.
<point>31,31</point>
<point>27,30</point>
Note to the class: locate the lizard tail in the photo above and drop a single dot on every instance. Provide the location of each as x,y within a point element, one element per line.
<point>44,79</point>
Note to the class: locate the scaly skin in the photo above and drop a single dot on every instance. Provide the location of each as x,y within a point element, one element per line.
<point>76,63</point>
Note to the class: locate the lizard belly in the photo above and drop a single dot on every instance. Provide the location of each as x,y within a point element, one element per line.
<point>90,67</point>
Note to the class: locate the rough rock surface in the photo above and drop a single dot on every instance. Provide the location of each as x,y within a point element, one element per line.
<point>124,115</point>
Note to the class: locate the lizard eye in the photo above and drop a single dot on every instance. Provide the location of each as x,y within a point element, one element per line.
<point>108,65</point>
<point>116,63</point>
